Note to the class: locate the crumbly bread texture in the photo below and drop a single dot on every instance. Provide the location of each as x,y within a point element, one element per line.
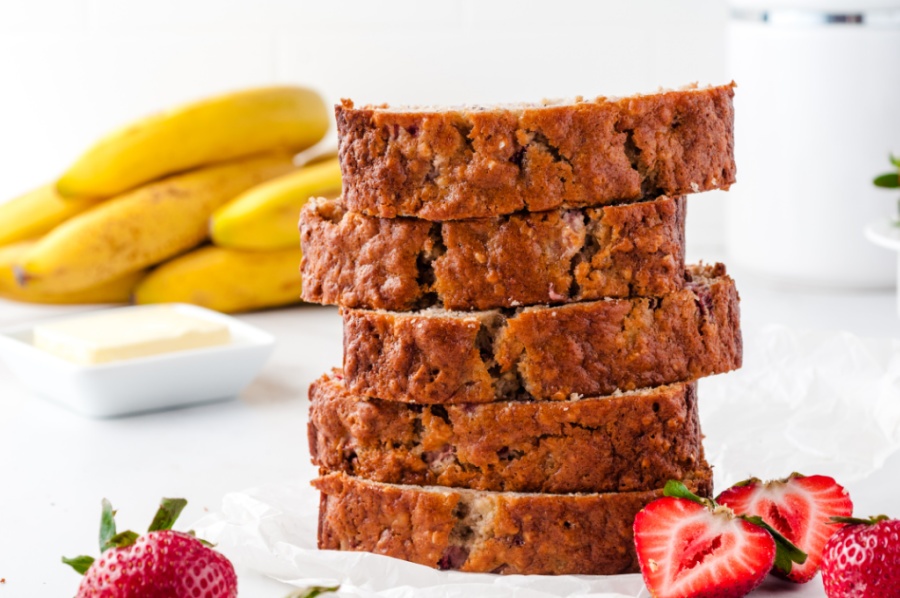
<point>528,258</point>
<point>453,163</point>
<point>592,348</point>
<point>496,532</point>
<point>620,443</point>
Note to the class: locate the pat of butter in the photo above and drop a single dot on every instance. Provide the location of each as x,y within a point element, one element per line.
<point>128,333</point>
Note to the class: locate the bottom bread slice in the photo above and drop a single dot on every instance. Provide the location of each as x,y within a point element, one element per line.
<point>488,532</point>
<point>624,442</point>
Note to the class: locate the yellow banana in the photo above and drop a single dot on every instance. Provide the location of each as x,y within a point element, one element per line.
<point>227,280</point>
<point>219,128</point>
<point>265,217</point>
<point>117,290</point>
<point>322,157</point>
<point>36,212</point>
<point>142,227</point>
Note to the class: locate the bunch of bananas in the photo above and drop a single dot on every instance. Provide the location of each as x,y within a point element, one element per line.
<point>198,205</point>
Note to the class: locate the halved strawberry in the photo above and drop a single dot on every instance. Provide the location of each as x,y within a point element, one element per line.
<point>799,507</point>
<point>691,547</point>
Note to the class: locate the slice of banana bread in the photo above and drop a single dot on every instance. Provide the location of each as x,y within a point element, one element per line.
<point>624,442</point>
<point>527,258</point>
<point>591,348</point>
<point>473,162</point>
<point>496,532</point>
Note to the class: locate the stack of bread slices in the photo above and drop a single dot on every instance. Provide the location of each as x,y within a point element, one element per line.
<point>522,337</point>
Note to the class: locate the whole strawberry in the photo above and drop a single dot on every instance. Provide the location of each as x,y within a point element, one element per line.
<point>863,559</point>
<point>690,547</point>
<point>799,507</point>
<point>160,564</point>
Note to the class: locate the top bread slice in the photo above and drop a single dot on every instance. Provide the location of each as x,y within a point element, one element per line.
<point>474,162</point>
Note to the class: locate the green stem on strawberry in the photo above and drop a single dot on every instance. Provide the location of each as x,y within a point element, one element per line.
<point>107,525</point>
<point>122,539</point>
<point>80,563</point>
<point>166,515</point>
<point>786,552</point>
<point>312,591</point>
<point>159,563</point>
<point>193,534</point>
<point>108,536</point>
<point>169,510</point>
<point>857,520</point>
<point>676,489</point>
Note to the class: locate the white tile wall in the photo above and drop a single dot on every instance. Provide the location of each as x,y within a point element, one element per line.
<point>71,69</point>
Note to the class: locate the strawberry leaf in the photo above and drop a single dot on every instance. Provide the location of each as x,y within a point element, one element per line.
<point>889,181</point>
<point>746,482</point>
<point>895,160</point>
<point>858,521</point>
<point>206,543</point>
<point>169,510</point>
<point>122,539</point>
<point>678,490</point>
<point>786,552</point>
<point>312,592</point>
<point>80,563</point>
<point>107,525</point>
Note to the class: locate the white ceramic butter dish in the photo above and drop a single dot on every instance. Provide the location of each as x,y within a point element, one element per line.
<point>142,383</point>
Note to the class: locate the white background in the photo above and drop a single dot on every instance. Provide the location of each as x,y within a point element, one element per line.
<point>72,69</point>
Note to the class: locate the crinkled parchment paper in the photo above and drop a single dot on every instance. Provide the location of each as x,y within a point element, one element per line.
<point>815,402</point>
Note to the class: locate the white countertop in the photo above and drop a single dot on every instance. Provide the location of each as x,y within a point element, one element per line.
<point>55,466</point>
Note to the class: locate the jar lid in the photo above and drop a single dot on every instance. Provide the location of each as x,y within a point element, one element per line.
<point>806,13</point>
<point>844,6</point>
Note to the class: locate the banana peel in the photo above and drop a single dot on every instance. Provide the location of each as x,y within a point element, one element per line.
<point>322,157</point>
<point>34,213</point>
<point>118,290</point>
<point>226,280</point>
<point>265,217</point>
<point>140,228</point>
<point>217,129</point>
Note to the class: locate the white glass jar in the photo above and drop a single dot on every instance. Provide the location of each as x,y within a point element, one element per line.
<point>817,111</point>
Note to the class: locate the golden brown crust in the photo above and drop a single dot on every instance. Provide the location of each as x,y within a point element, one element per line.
<point>529,258</point>
<point>481,162</point>
<point>591,348</point>
<point>507,533</point>
<point>620,443</point>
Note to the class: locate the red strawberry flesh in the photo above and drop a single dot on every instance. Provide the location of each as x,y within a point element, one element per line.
<point>687,550</point>
<point>800,508</point>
